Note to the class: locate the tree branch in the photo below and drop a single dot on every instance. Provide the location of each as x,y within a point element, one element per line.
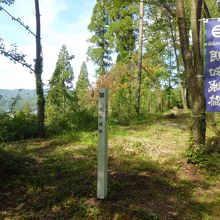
<point>167,7</point>
<point>18,20</point>
<point>15,56</point>
<point>206,9</point>
<point>7,2</point>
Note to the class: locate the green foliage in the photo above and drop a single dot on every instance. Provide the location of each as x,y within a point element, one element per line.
<point>14,102</point>
<point>121,95</point>
<point>122,112</point>
<point>17,126</point>
<point>122,28</point>
<point>87,108</point>
<point>63,74</point>
<point>14,55</point>
<point>114,30</point>
<point>99,51</point>
<point>60,103</point>
<point>87,120</point>
<point>197,155</point>
<point>205,159</point>
<point>83,85</point>
<point>115,25</point>
<point>66,108</point>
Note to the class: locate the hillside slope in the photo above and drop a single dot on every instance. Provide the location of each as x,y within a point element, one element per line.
<point>26,95</point>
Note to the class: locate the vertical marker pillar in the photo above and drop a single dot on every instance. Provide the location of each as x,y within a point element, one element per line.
<point>102,178</point>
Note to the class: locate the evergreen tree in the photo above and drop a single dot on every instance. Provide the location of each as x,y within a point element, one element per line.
<point>60,99</point>
<point>87,105</point>
<point>122,28</point>
<point>99,52</point>
<point>82,85</point>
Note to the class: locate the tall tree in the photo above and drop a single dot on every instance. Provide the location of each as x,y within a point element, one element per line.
<point>60,94</point>
<point>61,81</point>
<point>140,48</point>
<point>13,53</point>
<point>38,69</point>
<point>194,69</point>
<point>99,52</point>
<point>122,31</point>
<point>82,85</point>
<point>15,56</point>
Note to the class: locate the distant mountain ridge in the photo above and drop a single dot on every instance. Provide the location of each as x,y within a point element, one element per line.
<point>27,96</point>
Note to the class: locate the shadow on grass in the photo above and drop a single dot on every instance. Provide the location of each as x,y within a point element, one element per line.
<point>155,194</point>
<point>63,186</point>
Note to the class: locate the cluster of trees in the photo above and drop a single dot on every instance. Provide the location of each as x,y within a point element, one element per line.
<point>158,48</point>
<point>149,53</point>
<point>60,106</point>
<point>146,80</point>
<point>68,108</point>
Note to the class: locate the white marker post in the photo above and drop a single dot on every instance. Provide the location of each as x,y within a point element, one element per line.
<point>102,178</point>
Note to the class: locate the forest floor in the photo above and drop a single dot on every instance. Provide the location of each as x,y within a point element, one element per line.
<point>149,177</point>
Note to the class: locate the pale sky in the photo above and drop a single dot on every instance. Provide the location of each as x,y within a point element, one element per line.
<point>63,22</point>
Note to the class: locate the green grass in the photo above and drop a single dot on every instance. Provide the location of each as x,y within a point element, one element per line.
<point>148,176</point>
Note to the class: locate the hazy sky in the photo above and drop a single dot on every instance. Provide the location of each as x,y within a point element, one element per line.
<point>63,22</point>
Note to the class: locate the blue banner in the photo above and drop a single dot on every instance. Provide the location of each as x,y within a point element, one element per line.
<point>212,66</point>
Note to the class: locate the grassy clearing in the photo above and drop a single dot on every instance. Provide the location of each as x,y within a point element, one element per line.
<point>148,176</point>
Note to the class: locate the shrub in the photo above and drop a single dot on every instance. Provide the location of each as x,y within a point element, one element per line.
<point>21,125</point>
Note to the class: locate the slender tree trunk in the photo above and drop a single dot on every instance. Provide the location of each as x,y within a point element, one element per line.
<point>182,90</point>
<point>140,48</point>
<point>38,73</point>
<point>169,94</point>
<point>194,71</point>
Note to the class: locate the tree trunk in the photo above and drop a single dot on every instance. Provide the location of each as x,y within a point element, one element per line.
<point>198,105</point>
<point>140,47</point>
<point>194,72</point>
<point>173,38</point>
<point>183,95</point>
<point>38,73</point>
